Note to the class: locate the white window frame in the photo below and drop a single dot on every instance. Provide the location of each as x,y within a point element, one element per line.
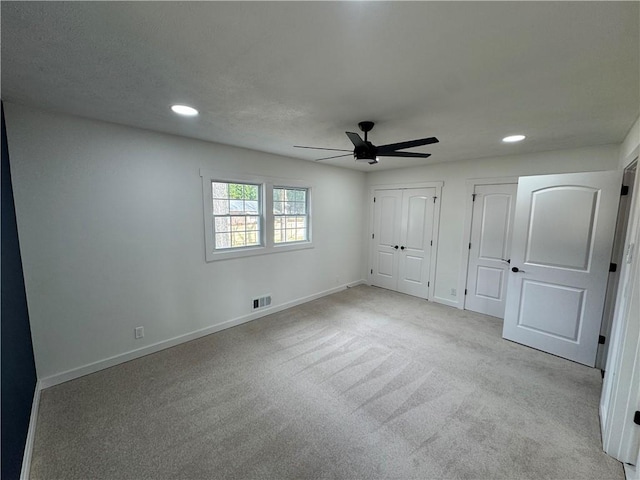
<point>306,214</point>
<point>267,245</point>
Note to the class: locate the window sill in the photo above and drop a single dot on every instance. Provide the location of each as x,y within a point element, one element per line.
<point>254,251</point>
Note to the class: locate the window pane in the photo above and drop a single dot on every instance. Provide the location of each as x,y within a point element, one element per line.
<point>252,238</point>
<point>220,207</point>
<point>223,240</point>
<point>252,223</point>
<point>236,207</point>
<point>278,208</point>
<point>220,190</point>
<point>251,206</point>
<point>301,234</point>
<point>236,191</point>
<point>237,239</point>
<point>277,194</point>
<point>237,223</point>
<point>222,224</point>
<point>251,192</point>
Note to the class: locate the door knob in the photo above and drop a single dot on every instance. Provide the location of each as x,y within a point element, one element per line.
<point>396,247</point>
<point>516,270</point>
<point>402,247</point>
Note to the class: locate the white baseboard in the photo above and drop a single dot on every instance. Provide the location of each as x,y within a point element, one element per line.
<point>446,301</point>
<point>172,342</point>
<point>31,434</point>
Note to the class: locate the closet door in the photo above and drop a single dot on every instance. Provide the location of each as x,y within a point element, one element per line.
<point>416,239</point>
<point>490,248</point>
<point>402,239</point>
<point>387,210</point>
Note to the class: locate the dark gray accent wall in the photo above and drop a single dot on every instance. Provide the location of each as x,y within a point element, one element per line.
<point>18,366</point>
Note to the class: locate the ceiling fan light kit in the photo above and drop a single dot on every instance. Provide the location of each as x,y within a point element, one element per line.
<point>366,152</point>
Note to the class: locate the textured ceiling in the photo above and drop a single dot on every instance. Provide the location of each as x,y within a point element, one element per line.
<point>270,75</point>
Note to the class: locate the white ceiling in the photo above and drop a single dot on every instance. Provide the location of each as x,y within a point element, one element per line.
<point>270,75</point>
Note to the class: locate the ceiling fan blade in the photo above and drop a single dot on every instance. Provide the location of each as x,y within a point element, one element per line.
<point>322,148</point>
<point>404,154</point>
<point>392,147</point>
<point>355,139</point>
<point>337,156</point>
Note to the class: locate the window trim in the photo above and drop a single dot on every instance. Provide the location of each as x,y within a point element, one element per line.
<point>306,215</point>
<point>267,244</point>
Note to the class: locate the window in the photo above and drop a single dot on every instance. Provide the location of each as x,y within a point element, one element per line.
<point>248,215</point>
<point>236,214</point>
<point>289,215</point>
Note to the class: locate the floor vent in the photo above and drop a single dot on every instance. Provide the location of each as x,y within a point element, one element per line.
<point>261,302</point>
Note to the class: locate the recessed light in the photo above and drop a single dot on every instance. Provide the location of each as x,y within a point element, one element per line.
<point>184,110</point>
<point>513,138</point>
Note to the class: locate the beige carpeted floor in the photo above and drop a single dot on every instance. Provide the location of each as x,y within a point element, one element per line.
<point>366,383</point>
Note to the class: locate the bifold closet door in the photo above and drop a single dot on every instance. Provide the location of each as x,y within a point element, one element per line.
<point>403,239</point>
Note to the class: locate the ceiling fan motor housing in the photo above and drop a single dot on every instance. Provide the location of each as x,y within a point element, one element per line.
<point>367,151</point>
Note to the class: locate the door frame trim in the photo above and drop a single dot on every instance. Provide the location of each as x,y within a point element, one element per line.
<point>466,235</point>
<point>436,226</point>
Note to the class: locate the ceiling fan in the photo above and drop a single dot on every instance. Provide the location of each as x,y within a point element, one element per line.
<point>365,151</point>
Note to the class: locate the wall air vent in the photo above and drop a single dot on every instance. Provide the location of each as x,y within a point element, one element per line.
<point>261,302</point>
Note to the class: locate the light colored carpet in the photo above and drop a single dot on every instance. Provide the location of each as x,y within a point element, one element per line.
<point>366,383</point>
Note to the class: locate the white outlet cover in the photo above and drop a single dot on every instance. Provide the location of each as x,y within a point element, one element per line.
<point>139,332</point>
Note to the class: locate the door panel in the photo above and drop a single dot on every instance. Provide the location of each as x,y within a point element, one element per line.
<point>563,233</point>
<point>561,227</point>
<point>489,283</point>
<point>490,246</point>
<point>385,264</point>
<point>416,236</point>
<point>551,310</point>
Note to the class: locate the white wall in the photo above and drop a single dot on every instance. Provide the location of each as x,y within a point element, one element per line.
<point>454,195</point>
<point>111,229</point>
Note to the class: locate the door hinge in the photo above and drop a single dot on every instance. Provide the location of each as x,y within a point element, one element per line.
<point>428,284</point>
<point>374,199</point>
<point>469,245</point>
<point>613,267</point>
<point>473,197</point>
<point>372,271</point>
<point>434,199</point>
<point>602,339</point>
<point>465,291</point>
<point>373,235</point>
<point>636,417</point>
<point>431,243</point>
<point>624,190</point>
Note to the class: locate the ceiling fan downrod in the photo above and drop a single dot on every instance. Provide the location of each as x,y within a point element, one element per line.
<point>366,128</point>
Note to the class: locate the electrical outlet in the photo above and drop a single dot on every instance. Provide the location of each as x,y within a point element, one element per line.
<point>454,292</point>
<point>139,332</point>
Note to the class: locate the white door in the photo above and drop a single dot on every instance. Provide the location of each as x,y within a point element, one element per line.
<point>490,248</point>
<point>403,239</point>
<point>562,238</point>
<point>387,211</point>
<point>416,241</point>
